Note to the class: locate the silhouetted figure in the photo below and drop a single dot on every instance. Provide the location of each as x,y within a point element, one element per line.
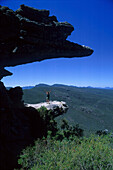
<point>48,96</point>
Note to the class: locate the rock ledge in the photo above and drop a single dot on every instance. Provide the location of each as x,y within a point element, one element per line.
<point>28,35</point>
<point>57,107</point>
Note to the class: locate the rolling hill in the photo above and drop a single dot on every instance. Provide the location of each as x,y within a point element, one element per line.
<point>91,108</point>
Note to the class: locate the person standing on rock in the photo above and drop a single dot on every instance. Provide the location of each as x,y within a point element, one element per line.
<point>48,96</point>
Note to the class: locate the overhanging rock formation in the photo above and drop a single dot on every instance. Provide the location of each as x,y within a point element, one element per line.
<point>29,35</point>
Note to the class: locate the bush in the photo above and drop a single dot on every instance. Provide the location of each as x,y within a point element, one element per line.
<point>29,156</point>
<point>50,125</point>
<point>71,131</point>
<point>102,132</point>
<point>65,131</point>
<point>89,153</point>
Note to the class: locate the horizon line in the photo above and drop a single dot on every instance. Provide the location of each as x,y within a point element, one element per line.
<point>106,87</point>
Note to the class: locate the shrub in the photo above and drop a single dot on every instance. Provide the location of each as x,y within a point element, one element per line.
<point>71,131</point>
<point>30,155</point>
<point>65,131</point>
<point>89,153</point>
<point>102,132</point>
<point>49,122</point>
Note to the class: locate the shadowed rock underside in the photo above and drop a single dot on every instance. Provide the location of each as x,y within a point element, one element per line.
<point>28,35</point>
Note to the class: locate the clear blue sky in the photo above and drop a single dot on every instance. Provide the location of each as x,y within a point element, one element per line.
<point>93,23</point>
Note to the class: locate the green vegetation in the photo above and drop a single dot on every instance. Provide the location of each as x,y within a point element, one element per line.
<point>88,153</point>
<point>64,131</point>
<point>91,108</point>
<point>50,125</point>
<point>66,148</point>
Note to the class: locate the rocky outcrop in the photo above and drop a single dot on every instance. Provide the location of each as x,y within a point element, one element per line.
<point>58,108</point>
<point>29,35</point>
<point>4,73</point>
<point>20,125</point>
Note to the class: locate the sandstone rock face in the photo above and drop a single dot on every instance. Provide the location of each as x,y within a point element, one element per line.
<point>29,35</point>
<point>58,108</point>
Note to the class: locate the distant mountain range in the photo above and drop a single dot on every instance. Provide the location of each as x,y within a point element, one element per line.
<point>28,87</point>
<point>91,108</point>
<point>59,85</point>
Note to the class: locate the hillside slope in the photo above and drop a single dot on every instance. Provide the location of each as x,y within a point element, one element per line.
<point>91,108</point>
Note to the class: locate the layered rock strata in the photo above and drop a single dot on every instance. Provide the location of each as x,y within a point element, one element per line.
<point>29,34</point>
